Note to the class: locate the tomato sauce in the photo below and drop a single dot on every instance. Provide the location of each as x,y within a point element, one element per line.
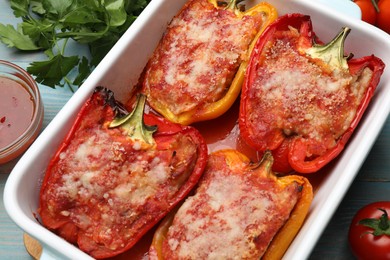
<point>16,110</point>
<point>224,133</point>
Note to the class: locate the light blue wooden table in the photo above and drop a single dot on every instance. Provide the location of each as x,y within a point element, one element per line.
<point>371,184</point>
<point>11,237</point>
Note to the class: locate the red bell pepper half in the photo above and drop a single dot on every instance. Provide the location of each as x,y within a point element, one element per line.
<point>117,174</point>
<point>302,99</point>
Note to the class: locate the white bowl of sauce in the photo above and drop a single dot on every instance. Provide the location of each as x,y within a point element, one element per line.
<point>21,111</point>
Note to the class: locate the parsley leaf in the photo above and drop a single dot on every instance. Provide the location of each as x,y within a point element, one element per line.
<point>84,71</point>
<point>52,71</point>
<point>14,38</point>
<point>47,25</point>
<point>20,7</point>
<point>116,11</point>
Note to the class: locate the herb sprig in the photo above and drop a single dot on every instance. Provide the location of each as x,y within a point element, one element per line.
<point>48,25</point>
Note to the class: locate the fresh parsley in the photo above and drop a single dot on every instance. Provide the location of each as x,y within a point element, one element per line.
<point>48,25</point>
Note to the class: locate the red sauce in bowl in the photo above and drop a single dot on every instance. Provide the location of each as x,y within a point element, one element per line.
<point>16,110</point>
<point>21,111</point>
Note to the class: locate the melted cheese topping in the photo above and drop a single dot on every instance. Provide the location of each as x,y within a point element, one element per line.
<point>296,95</point>
<point>87,166</point>
<point>198,56</point>
<point>231,216</point>
<point>106,186</point>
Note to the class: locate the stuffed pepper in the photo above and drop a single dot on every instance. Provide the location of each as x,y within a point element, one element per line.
<point>240,210</point>
<point>303,99</point>
<point>117,174</point>
<point>197,69</point>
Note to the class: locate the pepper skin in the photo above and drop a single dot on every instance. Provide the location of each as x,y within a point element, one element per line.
<point>302,99</point>
<point>117,174</point>
<point>197,70</point>
<point>230,186</point>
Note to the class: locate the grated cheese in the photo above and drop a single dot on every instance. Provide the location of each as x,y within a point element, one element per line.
<point>119,180</point>
<point>304,99</point>
<point>227,216</point>
<point>198,57</point>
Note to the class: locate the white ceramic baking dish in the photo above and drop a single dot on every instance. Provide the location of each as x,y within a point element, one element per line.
<point>120,70</point>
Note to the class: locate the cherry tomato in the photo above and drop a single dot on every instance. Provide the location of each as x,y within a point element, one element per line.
<point>383,17</point>
<point>369,13</point>
<point>369,232</point>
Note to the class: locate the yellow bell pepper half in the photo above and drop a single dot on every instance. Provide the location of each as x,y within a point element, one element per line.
<point>284,235</point>
<point>215,109</point>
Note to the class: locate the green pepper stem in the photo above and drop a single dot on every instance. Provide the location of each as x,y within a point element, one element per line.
<point>265,163</point>
<point>232,5</point>
<point>133,123</point>
<point>333,52</point>
<point>375,4</point>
